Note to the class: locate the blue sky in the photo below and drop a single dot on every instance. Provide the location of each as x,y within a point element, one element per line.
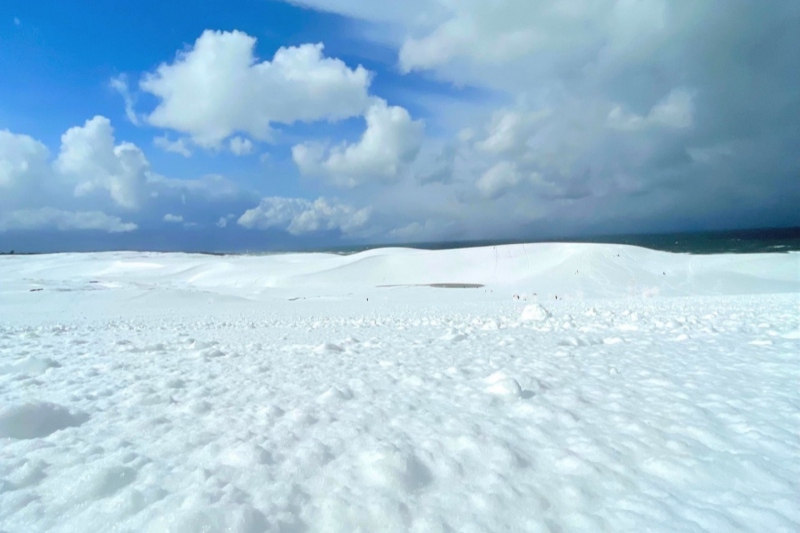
<point>224,126</point>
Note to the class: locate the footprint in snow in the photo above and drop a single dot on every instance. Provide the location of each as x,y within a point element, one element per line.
<point>37,419</point>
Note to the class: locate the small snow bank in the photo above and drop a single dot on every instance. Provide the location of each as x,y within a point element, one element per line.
<point>29,365</point>
<point>534,313</point>
<point>501,384</point>
<point>37,419</point>
<point>546,269</point>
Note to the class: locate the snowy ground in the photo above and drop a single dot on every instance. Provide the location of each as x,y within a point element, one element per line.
<point>317,393</point>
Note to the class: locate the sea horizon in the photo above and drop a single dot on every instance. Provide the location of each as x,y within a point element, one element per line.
<point>737,241</point>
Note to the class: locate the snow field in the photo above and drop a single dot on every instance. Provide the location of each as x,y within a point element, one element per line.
<point>151,404</point>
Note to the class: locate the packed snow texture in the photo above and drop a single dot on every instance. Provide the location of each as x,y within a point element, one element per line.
<point>581,388</point>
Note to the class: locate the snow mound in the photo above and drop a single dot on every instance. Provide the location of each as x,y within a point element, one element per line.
<point>395,469</point>
<point>534,313</point>
<point>336,394</point>
<point>501,384</point>
<point>36,420</point>
<point>29,365</point>
<point>245,455</point>
<point>505,387</point>
<point>103,482</point>
<point>328,347</point>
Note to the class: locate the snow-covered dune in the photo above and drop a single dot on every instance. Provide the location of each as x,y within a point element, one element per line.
<point>581,387</point>
<point>571,270</point>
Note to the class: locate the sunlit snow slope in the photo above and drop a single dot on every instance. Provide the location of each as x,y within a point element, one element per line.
<point>580,388</point>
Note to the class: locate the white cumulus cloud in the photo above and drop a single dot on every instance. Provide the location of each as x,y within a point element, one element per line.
<point>219,87</point>
<point>509,129</point>
<point>178,146</point>
<point>529,37</point>
<point>93,178</point>
<point>390,141</point>
<point>23,159</point>
<point>241,146</point>
<point>89,155</point>
<point>52,218</point>
<point>298,215</point>
<point>120,84</point>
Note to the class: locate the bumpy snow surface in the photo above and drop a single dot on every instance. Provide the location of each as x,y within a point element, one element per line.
<point>580,388</point>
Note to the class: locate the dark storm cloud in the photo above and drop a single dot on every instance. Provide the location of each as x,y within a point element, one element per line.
<point>658,114</point>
